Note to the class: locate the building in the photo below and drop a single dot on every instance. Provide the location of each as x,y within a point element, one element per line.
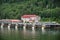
<point>10,21</point>
<point>30,18</point>
<point>15,21</point>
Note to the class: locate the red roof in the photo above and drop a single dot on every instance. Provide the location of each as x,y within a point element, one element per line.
<point>11,20</point>
<point>28,16</point>
<point>14,20</point>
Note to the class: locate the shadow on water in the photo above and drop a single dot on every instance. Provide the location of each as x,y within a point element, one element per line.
<point>58,37</point>
<point>1,38</point>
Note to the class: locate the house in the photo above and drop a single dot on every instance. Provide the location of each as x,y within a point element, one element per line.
<point>30,18</point>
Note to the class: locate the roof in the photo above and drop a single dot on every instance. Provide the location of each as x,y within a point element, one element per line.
<point>15,20</point>
<point>11,20</point>
<point>28,16</point>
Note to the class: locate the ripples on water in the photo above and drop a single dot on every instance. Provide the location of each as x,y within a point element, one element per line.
<point>37,34</point>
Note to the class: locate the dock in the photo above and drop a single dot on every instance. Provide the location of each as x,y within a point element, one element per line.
<point>34,25</point>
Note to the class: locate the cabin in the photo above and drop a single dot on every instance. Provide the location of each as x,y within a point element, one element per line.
<point>30,18</point>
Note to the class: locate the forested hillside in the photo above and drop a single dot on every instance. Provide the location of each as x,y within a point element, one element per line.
<point>49,10</point>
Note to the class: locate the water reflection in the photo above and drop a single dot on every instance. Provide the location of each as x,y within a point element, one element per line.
<point>43,31</point>
<point>25,34</point>
<point>1,30</point>
<point>33,34</point>
<point>24,30</point>
<point>29,34</point>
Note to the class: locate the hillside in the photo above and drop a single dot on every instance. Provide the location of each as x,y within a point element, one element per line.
<point>49,10</point>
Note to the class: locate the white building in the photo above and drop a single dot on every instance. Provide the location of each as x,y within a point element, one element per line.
<point>30,18</point>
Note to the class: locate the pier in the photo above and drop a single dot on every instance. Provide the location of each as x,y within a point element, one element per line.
<point>24,25</point>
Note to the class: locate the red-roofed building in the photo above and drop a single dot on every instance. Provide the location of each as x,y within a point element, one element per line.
<point>10,20</point>
<point>15,20</point>
<point>30,18</point>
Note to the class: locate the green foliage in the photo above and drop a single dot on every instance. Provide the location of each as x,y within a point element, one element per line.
<point>14,9</point>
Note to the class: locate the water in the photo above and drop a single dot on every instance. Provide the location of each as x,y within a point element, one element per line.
<point>38,34</point>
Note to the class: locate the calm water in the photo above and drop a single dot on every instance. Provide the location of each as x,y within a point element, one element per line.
<point>38,34</point>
